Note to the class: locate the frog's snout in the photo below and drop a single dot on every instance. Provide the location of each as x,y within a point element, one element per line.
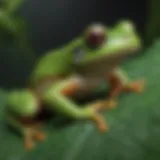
<point>126,25</point>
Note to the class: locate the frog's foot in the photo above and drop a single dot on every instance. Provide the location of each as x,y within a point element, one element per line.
<point>97,117</point>
<point>31,135</point>
<point>40,136</point>
<point>136,86</point>
<point>100,122</point>
<point>118,82</point>
<point>104,104</point>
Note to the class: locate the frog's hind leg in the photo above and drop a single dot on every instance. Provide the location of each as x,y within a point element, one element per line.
<point>23,108</point>
<point>29,130</point>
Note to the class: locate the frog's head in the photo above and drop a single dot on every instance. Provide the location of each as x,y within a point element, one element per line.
<point>107,46</point>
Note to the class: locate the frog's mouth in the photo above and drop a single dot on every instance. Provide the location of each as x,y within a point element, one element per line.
<point>100,66</point>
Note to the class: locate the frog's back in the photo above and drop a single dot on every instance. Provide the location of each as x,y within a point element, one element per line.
<point>54,63</point>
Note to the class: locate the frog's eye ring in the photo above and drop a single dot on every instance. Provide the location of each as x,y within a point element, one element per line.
<point>95,35</point>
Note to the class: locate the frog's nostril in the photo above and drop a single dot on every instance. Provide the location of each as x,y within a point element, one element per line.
<point>78,55</point>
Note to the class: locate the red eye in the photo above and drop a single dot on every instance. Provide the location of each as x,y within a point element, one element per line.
<point>95,35</point>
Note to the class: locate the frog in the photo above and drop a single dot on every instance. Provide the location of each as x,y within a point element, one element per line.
<point>74,70</point>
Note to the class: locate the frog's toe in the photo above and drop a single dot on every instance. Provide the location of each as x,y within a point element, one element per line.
<point>100,122</point>
<point>31,135</point>
<point>29,145</point>
<point>40,136</point>
<point>137,86</point>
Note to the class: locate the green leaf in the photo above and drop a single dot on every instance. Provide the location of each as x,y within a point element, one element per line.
<point>7,22</point>
<point>134,132</point>
<point>12,5</point>
<point>153,23</point>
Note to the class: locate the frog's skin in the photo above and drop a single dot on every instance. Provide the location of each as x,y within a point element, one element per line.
<point>75,70</point>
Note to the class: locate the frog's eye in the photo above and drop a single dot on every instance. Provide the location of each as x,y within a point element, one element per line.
<point>95,35</point>
<point>78,55</point>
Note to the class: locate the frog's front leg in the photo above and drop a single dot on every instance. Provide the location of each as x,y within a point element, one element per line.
<point>81,88</point>
<point>58,100</point>
<point>118,81</point>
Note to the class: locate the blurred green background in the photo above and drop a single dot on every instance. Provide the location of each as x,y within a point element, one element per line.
<point>135,124</point>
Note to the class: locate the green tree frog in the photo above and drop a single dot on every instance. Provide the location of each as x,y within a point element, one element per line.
<point>72,71</point>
